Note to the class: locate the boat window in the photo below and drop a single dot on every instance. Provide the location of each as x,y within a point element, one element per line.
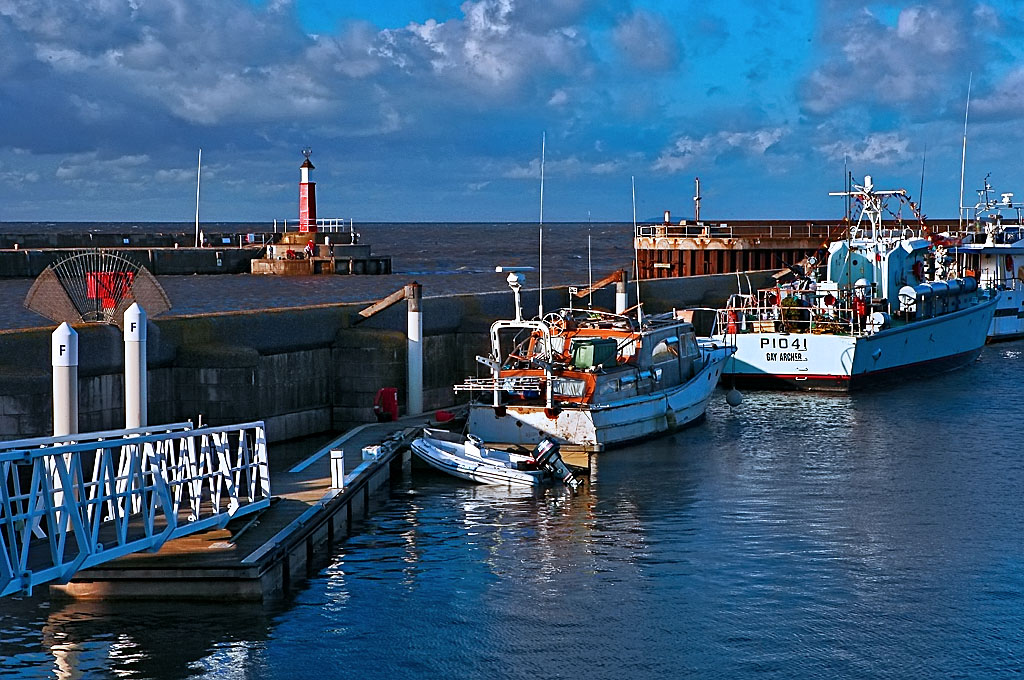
<point>568,387</point>
<point>690,343</point>
<point>666,350</point>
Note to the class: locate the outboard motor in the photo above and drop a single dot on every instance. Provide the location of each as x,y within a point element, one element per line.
<point>548,457</point>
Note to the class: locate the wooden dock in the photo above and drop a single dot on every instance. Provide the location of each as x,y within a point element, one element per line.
<point>257,558</point>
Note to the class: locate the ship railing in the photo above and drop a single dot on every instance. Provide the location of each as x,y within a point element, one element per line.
<point>992,282</point>
<point>70,506</point>
<point>820,318</point>
<point>507,384</point>
<point>725,230</point>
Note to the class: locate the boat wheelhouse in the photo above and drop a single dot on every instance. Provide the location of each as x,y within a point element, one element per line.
<point>992,249</point>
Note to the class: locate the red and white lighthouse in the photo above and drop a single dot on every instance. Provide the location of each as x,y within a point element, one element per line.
<point>307,196</point>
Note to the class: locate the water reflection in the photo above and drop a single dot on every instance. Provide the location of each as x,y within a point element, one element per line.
<point>874,534</point>
<point>129,640</point>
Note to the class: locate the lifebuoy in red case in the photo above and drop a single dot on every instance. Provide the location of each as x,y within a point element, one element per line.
<point>860,306</point>
<point>1009,263</point>
<point>731,326</point>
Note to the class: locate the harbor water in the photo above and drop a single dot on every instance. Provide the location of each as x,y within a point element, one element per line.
<point>876,535</point>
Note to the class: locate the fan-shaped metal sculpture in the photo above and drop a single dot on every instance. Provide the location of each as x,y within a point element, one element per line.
<point>96,286</point>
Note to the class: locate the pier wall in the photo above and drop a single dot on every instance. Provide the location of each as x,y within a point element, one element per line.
<point>30,262</point>
<point>302,370</point>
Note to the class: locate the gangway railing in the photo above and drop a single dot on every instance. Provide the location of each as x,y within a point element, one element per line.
<point>71,506</point>
<point>91,436</point>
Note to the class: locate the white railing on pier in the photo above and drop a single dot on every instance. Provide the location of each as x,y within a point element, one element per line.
<point>330,225</point>
<point>69,505</point>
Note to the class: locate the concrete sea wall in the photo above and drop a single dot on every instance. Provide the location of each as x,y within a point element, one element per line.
<point>303,370</point>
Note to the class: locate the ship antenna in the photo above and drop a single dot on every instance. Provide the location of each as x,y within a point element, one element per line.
<point>540,257</point>
<point>963,155</point>
<point>846,185</point>
<point>636,258</point>
<point>920,194</point>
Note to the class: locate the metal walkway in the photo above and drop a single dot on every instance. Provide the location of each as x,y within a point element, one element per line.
<point>74,502</point>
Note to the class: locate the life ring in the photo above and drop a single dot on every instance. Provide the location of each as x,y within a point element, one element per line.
<point>1009,263</point>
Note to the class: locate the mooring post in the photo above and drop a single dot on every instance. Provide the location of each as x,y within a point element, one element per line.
<point>413,297</point>
<point>621,298</point>
<point>136,389</point>
<point>64,359</point>
<point>337,468</point>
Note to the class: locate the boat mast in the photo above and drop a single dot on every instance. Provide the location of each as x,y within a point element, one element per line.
<point>636,258</point>
<point>540,257</point>
<point>590,265</point>
<point>963,155</point>
<point>199,170</point>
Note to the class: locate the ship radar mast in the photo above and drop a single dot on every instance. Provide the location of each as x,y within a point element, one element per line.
<point>872,204</point>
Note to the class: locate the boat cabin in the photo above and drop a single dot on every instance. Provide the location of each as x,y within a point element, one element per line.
<point>586,358</point>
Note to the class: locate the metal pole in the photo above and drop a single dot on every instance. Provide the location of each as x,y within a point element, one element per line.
<point>621,298</point>
<point>413,296</point>
<point>136,389</point>
<point>64,359</point>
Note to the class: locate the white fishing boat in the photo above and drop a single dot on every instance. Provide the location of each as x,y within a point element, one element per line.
<point>468,458</point>
<point>991,248</point>
<point>591,378</point>
<point>886,306</point>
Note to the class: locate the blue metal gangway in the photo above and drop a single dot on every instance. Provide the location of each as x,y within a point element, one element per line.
<point>73,502</point>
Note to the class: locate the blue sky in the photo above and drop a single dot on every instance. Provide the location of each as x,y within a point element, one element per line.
<point>433,110</point>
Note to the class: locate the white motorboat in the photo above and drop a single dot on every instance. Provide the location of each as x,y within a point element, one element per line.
<point>887,305</point>
<point>992,249</point>
<point>468,458</point>
<point>592,378</point>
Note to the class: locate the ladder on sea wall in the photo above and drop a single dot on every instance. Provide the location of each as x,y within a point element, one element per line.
<point>73,502</point>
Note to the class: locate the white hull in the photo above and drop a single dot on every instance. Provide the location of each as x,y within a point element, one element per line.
<point>602,425</point>
<point>1008,322</point>
<point>810,361</point>
<point>447,458</point>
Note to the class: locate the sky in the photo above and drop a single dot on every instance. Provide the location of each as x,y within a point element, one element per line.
<point>435,110</point>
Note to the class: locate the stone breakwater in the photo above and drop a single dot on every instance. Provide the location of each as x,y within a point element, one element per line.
<point>302,369</point>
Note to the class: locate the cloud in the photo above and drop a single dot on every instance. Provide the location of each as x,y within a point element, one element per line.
<point>883,148</point>
<point>646,41</point>
<point>572,166</point>
<point>914,63</point>
<point>89,168</point>
<point>686,152</point>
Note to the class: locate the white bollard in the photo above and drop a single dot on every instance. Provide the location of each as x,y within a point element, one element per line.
<point>413,296</point>
<point>621,297</point>
<point>337,468</point>
<point>64,359</point>
<point>136,387</point>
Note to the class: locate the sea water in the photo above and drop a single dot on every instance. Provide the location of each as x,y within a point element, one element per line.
<point>875,535</point>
